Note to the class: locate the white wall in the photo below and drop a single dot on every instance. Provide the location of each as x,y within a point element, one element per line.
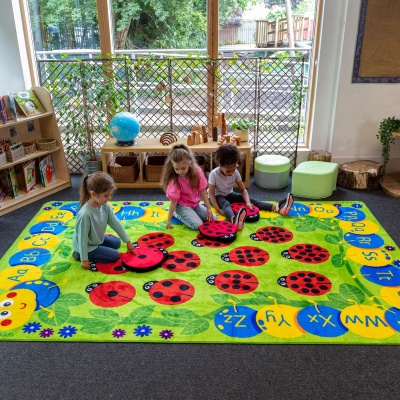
<point>12,75</point>
<point>347,115</point>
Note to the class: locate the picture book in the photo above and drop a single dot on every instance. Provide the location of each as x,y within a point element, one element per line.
<point>11,107</point>
<point>12,182</point>
<point>29,103</point>
<point>3,111</point>
<point>29,174</point>
<point>4,188</point>
<point>47,170</point>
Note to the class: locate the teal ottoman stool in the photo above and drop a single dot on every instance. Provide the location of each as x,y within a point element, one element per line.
<point>314,179</point>
<point>271,171</point>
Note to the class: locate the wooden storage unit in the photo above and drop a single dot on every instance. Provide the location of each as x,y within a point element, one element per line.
<point>391,182</point>
<point>45,126</point>
<point>153,145</point>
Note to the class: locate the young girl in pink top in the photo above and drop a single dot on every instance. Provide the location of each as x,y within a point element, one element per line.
<point>184,183</point>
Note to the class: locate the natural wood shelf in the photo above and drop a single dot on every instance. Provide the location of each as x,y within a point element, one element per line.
<point>44,126</point>
<point>390,183</point>
<point>153,145</point>
<point>28,157</point>
<point>25,198</point>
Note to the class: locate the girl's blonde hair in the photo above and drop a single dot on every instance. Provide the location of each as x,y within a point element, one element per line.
<point>98,182</point>
<point>178,153</point>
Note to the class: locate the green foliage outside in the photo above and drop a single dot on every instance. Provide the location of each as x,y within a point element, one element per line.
<point>71,24</point>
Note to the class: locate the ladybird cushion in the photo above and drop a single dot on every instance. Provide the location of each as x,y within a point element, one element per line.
<point>145,259</point>
<point>251,215</point>
<point>223,231</point>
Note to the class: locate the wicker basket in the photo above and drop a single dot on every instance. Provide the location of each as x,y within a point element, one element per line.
<point>15,152</point>
<point>124,169</point>
<point>153,166</point>
<point>201,162</point>
<point>46,144</point>
<point>29,147</point>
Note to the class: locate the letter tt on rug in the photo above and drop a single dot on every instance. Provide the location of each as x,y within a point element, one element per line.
<point>328,273</point>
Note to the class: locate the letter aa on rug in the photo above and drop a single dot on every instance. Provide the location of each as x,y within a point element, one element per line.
<point>328,273</point>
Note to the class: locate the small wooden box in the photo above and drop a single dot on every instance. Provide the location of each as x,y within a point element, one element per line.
<point>3,159</point>
<point>15,152</point>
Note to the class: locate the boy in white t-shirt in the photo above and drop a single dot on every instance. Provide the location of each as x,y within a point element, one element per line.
<point>221,181</point>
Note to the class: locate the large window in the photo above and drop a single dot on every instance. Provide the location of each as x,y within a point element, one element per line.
<point>64,25</point>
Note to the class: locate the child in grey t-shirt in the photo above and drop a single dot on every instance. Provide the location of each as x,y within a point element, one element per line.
<point>221,181</point>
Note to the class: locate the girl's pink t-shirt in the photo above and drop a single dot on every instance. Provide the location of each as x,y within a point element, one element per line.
<point>183,194</point>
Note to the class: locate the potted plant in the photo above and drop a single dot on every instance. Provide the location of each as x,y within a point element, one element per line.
<point>386,128</point>
<point>241,127</point>
<point>89,101</point>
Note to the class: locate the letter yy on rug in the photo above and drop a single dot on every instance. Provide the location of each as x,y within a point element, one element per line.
<point>328,273</point>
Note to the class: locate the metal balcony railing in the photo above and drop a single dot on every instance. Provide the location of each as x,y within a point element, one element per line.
<point>173,92</point>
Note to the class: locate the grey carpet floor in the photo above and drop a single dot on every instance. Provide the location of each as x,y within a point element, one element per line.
<point>153,371</point>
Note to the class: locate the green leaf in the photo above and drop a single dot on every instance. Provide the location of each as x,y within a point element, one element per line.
<point>196,326</point>
<point>338,301</point>
<point>351,292</point>
<point>56,268</point>
<point>64,250</point>
<point>333,239</point>
<point>223,298</point>
<point>337,260</point>
<point>55,315</point>
<point>181,314</point>
<point>104,314</point>
<point>141,314</point>
<point>275,296</point>
<point>97,326</point>
<point>71,299</point>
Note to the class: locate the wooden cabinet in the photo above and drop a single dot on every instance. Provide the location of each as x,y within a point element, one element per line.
<point>30,129</point>
<point>391,182</point>
<point>153,145</point>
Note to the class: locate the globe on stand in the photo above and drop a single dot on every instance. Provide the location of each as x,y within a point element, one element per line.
<point>125,128</point>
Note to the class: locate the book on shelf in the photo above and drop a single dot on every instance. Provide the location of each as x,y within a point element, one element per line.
<point>11,107</point>
<point>3,111</point>
<point>47,170</point>
<point>4,187</point>
<point>29,103</point>
<point>29,174</point>
<point>12,182</point>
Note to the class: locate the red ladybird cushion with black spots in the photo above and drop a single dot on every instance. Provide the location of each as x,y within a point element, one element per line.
<point>223,231</point>
<point>251,215</point>
<point>145,259</point>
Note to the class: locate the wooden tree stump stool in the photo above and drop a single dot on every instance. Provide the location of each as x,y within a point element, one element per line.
<point>362,174</point>
<point>319,155</point>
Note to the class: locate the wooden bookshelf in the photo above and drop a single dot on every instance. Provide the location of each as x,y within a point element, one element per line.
<point>45,126</point>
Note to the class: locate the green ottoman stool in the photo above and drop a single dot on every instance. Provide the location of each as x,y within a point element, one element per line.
<point>314,179</point>
<point>271,171</point>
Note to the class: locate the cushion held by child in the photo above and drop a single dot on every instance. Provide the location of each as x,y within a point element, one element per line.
<point>221,181</point>
<point>184,183</point>
<point>90,244</point>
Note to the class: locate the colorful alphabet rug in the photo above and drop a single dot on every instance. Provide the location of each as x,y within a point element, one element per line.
<point>328,273</point>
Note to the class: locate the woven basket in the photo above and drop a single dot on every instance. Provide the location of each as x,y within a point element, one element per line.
<point>29,147</point>
<point>153,166</point>
<point>124,169</point>
<point>46,144</point>
<point>201,162</point>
